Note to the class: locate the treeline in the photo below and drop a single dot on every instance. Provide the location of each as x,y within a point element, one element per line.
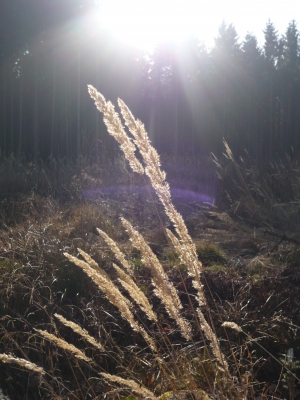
<point>189,98</point>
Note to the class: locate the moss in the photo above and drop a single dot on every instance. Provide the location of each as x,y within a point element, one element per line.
<point>144,288</point>
<point>255,277</point>
<point>216,268</point>
<point>208,253</point>
<point>173,259</point>
<point>7,266</point>
<point>198,394</point>
<point>256,270</point>
<point>166,396</point>
<point>137,263</point>
<point>130,398</point>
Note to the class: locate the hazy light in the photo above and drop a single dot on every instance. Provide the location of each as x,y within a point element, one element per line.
<point>144,23</point>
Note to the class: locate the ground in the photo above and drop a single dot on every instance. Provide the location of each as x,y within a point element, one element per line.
<point>250,271</point>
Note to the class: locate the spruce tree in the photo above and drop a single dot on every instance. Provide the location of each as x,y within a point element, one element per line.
<point>271,45</point>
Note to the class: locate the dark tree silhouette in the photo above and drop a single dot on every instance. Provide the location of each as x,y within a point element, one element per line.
<point>189,98</point>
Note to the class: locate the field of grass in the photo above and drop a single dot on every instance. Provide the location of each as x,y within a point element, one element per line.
<point>242,343</point>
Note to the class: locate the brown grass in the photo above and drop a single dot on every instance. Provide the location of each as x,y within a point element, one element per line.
<point>155,360</point>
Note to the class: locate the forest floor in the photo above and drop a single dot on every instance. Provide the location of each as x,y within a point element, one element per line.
<point>251,268</point>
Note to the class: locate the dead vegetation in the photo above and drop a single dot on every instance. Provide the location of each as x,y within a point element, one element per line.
<point>250,277</point>
<point>252,285</point>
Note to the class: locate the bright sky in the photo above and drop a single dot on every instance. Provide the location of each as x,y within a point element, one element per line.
<point>145,22</point>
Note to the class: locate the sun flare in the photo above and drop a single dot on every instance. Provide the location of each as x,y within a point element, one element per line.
<point>145,23</point>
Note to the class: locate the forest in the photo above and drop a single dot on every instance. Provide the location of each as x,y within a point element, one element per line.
<point>149,246</point>
<point>189,97</point>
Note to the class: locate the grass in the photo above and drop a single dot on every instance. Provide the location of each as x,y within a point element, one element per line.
<point>53,311</point>
<point>209,254</point>
<point>265,195</point>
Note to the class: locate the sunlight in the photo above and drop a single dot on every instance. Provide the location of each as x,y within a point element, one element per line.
<point>145,23</point>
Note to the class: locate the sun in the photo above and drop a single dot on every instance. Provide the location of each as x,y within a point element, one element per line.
<point>145,23</point>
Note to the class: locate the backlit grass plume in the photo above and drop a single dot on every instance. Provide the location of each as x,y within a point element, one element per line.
<point>9,359</point>
<point>153,335</point>
<point>113,294</point>
<point>183,244</point>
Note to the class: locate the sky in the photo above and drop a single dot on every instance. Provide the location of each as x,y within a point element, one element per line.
<point>146,22</point>
<point>253,16</point>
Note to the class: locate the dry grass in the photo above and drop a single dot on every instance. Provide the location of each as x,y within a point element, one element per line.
<point>8,359</point>
<point>266,195</point>
<point>190,346</point>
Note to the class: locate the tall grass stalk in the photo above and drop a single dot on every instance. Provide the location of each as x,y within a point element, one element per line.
<point>183,244</point>
<point>197,328</point>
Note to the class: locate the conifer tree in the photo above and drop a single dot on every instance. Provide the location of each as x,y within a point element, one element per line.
<point>271,45</point>
<point>227,41</point>
<point>291,46</point>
